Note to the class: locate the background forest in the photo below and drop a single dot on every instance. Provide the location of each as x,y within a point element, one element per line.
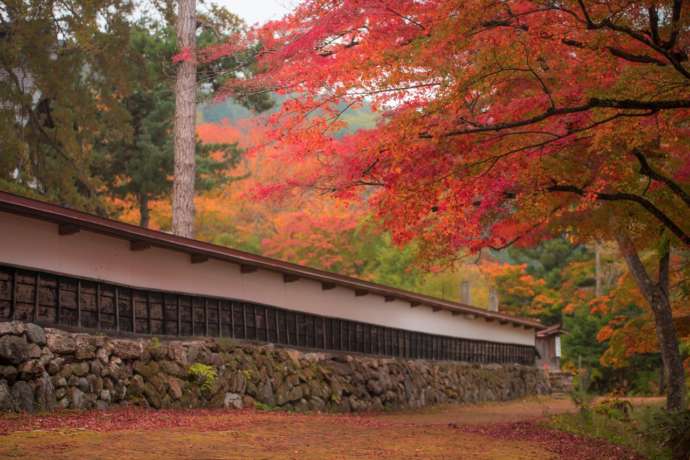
<point>86,122</point>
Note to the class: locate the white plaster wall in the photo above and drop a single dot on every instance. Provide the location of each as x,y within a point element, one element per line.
<point>36,244</point>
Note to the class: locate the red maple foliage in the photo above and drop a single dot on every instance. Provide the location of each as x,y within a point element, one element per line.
<point>507,120</point>
<point>501,122</point>
<point>564,445</point>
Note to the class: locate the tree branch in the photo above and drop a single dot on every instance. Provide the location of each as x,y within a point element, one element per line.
<point>640,58</point>
<point>622,196</point>
<point>631,104</point>
<point>646,170</point>
<point>675,24</point>
<point>654,24</point>
<point>663,48</point>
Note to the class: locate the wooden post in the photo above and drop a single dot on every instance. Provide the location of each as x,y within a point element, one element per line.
<point>348,327</point>
<point>297,328</point>
<point>420,345</point>
<point>370,335</point>
<point>58,303</point>
<point>266,324</point>
<point>244,319</point>
<point>149,324</point>
<point>78,303</point>
<point>206,316</point>
<point>37,300</point>
<point>465,293</point>
<point>387,342</point>
<point>220,317</point>
<point>164,311</point>
<point>401,343</point>
<point>117,309</point>
<point>277,326</point>
<point>13,296</point>
<point>232,319</point>
<point>134,311</point>
<point>98,306</point>
<point>341,328</point>
<point>493,299</point>
<point>179,314</point>
<point>193,310</point>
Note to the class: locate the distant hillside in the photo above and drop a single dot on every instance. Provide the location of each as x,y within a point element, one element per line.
<point>232,112</point>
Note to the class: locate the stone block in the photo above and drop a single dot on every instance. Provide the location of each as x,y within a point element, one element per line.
<point>14,349</point>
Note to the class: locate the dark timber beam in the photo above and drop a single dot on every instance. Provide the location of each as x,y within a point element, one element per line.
<point>415,304</point>
<point>198,258</point>
<point>435,309</point>
<point>327,286</point>
<point>361,292</point>
<point>456,313</point>
<point>138,245</point>
<point>290,278</point>
<point>503,321</point>
<point>389,298</point>
<point>248,268</point>
<point>68,229</point>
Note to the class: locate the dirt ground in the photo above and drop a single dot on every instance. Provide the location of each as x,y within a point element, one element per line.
<point>509,430</point>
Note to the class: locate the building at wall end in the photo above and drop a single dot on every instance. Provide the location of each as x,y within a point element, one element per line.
<point>548,344</point>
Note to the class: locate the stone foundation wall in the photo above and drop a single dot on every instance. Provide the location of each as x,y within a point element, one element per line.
<point>44,369</point>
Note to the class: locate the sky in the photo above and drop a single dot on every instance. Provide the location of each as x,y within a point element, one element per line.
<point>258,11</point>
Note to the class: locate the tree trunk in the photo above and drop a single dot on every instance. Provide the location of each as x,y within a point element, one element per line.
<point>144,215</point>
<point>597,269</point>
<point>185,114</point>
<point>656,295</point>
<point>662,379</point>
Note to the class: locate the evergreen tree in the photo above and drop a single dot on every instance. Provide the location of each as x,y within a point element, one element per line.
<point>62,85</point>
<point>140,168</point>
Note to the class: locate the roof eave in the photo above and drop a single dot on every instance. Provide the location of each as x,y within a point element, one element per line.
<point>60,215</point>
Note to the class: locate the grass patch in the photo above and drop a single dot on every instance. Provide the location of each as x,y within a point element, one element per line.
<point>258,405</point>
<point>639,429</point>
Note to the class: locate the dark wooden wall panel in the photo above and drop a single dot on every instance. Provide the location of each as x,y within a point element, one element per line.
<point>60,300</point>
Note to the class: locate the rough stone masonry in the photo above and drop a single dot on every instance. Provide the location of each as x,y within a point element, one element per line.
<point>46,369</point>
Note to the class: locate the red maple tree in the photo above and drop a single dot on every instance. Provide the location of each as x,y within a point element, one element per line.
<point>501,122</point>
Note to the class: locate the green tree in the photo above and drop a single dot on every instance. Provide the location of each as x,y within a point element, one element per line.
<point>62,85</point>
<point>548,259</point>
<point>581,349</point>
<point>140,167</point>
